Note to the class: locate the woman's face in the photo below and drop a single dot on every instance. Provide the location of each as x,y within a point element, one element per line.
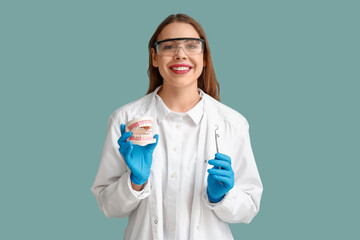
<point>171,74</point>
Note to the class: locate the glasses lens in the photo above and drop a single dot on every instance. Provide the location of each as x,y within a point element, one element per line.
<point>191,47</point>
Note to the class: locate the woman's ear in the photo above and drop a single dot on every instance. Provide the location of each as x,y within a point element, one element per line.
<point>154,57</point>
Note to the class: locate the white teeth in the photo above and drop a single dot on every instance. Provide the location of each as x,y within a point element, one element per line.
<point>142,135</point>
<point>181,68</point>
<point>142,129</point>
<point>140,126</point>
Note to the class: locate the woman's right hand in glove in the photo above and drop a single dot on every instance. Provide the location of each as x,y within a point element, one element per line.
<point>138,158</point>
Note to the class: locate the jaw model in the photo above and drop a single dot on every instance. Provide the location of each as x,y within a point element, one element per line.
<point>141,129</point>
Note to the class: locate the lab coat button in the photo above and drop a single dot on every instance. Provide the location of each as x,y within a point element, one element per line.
<point>178,126</point>
<point>175,149</point>
<point>155,221</point>
<point>173,175</point>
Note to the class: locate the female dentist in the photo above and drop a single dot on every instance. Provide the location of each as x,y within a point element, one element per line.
<point>200,174</point>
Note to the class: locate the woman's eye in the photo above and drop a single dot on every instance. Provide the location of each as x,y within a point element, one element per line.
<point>168,47</point>
<point>192,46</point>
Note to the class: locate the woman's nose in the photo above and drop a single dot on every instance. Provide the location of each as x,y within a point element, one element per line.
<point>180,53</point>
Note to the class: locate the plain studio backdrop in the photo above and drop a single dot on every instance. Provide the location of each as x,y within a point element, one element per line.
<point>290,67</point>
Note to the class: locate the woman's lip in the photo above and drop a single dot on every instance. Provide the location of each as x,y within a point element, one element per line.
<point>176,68</point>
<point>180,65</point>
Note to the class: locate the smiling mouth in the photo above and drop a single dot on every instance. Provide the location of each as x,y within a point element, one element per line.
<point>180,68</point>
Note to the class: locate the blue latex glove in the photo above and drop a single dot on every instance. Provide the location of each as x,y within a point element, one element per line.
<point>138,158</point>
<point>220,178</point>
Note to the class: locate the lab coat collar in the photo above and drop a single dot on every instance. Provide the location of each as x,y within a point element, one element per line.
<point>195,113</point>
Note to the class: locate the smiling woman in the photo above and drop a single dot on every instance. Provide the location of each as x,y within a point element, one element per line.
<point>171,54</point>
<point>164,186</point>
<point>207,80</point>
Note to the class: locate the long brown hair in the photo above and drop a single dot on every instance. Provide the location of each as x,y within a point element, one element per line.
<point>207,80</point>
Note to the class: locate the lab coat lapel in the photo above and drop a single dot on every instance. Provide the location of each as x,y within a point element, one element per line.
<point>213,123</point>
<point>206,151</point>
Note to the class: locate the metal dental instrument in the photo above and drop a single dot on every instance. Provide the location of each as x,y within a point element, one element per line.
<point>216,138</point>
<point>217,146</point>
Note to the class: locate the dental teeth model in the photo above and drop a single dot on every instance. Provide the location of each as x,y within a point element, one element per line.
<point>141,129</point>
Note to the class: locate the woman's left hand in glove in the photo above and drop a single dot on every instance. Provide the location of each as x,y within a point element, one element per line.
<point>220,178</point>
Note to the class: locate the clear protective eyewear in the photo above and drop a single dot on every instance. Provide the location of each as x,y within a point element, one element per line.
<point>170,47</point>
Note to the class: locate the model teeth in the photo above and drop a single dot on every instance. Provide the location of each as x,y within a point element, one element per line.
<point>141,124</point>
<point>142,136</point>
<point>141,129</point>
<point>181,68</point>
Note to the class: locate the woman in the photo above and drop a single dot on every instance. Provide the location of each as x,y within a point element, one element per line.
<point>190,183</point>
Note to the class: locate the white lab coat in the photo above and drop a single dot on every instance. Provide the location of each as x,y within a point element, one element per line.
<point>208,221</point>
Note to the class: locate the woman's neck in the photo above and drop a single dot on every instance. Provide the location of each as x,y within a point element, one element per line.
<point>179,99</point>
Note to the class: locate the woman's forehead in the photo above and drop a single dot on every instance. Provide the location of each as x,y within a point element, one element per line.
<point>178,30</point>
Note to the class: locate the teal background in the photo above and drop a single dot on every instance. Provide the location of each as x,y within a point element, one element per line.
<point>290,67</point>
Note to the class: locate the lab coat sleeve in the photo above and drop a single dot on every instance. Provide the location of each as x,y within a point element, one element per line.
<point>242,202</point>
<point>112,188</point>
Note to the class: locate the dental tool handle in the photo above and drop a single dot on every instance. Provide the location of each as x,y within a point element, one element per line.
<point>216,141</point>
<point>217,147</point>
